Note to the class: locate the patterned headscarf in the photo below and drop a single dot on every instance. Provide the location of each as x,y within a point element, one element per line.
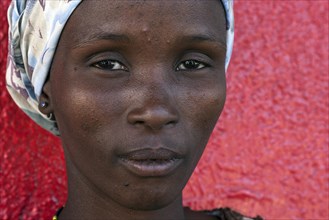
<point>34,31</point>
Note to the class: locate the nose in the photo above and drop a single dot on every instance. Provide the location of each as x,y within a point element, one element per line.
<point>155,118</point>
<point>154,114</point>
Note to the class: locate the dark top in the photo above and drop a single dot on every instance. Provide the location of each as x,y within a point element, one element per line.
<point>229,214</point>
<point>221,214</point>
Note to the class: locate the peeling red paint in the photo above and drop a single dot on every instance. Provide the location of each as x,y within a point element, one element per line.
<point>269,152</point>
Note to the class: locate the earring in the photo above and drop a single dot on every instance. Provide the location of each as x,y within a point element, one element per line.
<point>43,104</point>
<point>50,116</point>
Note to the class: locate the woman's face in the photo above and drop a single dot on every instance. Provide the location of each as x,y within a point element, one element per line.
<point>136,88</point>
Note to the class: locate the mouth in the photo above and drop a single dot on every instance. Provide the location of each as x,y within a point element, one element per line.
<point>151,162</point>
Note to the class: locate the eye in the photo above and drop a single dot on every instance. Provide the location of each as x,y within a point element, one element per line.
<point>191,65</point>
<point>110,65</point>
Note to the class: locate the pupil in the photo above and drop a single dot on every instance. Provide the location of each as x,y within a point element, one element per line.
<point>107,63</point>
<point>190,64</point>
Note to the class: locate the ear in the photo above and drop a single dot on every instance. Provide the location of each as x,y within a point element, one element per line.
<point>45,102</point>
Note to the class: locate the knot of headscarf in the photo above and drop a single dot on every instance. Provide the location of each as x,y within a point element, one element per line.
<point>34,31</point>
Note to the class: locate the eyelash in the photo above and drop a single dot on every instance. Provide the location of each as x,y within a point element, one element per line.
<point>183,66</point>
<point>199,64</point>
<point>110,65</point>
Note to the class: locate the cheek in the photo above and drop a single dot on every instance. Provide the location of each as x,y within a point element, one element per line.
<point>75,111</point>
<point>89,112</point>
<point>203,107</point>
<point>83,113</point>
<point>81,109</point>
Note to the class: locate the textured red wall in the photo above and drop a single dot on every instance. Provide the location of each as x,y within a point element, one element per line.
<point>269,152</point>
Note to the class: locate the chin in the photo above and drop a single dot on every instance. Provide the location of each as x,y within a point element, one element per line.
<point>149,199</point>
<point>149,204</point>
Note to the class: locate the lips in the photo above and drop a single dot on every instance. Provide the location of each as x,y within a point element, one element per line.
<point>151,162</point>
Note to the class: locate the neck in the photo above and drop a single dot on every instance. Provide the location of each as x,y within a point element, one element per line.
<point>85,201</point>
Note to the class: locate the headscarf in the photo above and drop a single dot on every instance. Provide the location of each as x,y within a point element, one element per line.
<point>34,31</point>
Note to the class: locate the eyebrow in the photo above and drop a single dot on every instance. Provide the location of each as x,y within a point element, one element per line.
<point>101,36</point>
<point>203,38</point>
<point>198,38</point>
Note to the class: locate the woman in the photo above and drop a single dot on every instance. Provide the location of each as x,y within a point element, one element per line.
<point>133,88</point>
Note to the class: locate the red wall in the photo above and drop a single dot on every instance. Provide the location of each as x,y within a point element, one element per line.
<point>269,152</point>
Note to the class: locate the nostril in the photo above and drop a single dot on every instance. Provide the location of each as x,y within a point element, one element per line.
<point>170,123</point>
<point>139,122</point>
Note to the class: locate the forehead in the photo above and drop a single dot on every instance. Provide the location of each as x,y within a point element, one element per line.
<point>155,19</point>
